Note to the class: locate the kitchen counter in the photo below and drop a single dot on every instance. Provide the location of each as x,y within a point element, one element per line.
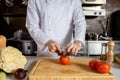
<point>31,60</point>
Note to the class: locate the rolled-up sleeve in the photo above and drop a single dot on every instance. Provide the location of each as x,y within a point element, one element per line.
<point>33,24</point>
<point>79,22</point>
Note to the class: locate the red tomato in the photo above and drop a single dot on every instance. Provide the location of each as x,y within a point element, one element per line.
<point>103,67</point>
<point>64,60</point>
<point>93,63</point>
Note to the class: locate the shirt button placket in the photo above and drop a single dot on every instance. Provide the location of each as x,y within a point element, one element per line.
<point>48,17</point>
<point>49,23</point>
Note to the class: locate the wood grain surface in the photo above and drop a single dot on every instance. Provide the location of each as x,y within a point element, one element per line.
<point>78,69</point>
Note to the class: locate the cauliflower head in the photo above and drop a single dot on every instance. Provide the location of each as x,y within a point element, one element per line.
<point>11,59</point>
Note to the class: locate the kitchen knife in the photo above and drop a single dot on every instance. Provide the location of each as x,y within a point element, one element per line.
<point>63,54</point>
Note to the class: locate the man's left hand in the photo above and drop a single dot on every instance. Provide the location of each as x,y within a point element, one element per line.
<point>73,48</point>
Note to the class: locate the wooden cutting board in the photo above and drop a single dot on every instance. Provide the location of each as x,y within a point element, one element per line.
<point>78,69</point>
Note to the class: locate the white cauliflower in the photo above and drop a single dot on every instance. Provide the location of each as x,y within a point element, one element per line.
<point>11,59</point>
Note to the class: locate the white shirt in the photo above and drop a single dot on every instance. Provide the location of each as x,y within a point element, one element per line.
<point>55,19</point>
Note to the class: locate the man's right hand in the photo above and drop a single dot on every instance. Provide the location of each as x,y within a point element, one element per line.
<point>53,46</point>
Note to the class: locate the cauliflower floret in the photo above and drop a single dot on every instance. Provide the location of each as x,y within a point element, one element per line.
<point>11,59</point>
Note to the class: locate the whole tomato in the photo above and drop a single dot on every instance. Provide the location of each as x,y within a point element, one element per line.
<point>64,60</point>
<point>93,63</point>
<point>103,67</point>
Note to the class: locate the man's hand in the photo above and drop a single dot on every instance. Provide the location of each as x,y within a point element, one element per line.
<point>53,46</point>
<point>73,48</point>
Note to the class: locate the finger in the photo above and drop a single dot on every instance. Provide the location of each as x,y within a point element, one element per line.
<point>58,48</point>
<point>68,45</point>
<point>49,51</point>
<point>76,51</point>
<point>52,46</point>
<point>52,49</point>
<point>69,48</point>
<point>66,48</point>
<point>73,50</point>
